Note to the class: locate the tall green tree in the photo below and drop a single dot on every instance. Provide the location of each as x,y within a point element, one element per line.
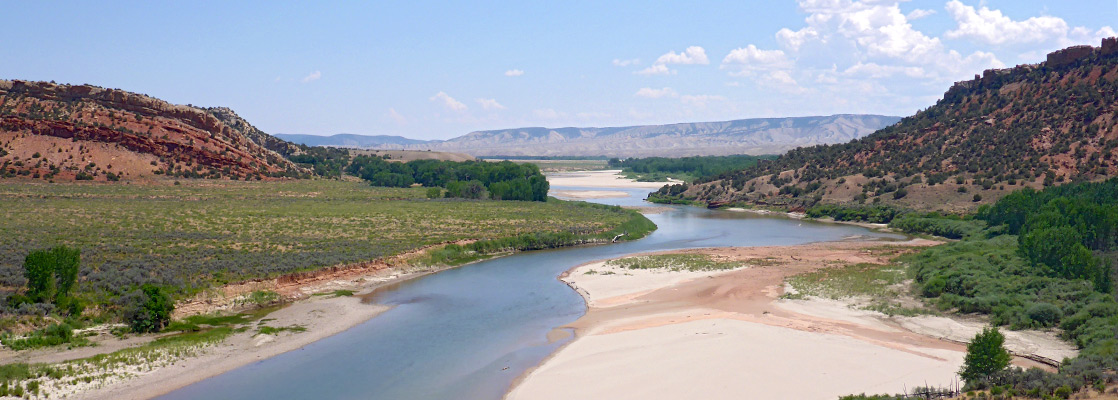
<point>51,273</point>
<point>986,354</point>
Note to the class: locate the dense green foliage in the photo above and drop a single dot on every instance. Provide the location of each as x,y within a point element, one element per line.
<point>655,169</point>
<point>327,162</point>
<point>986,354</point>
<point>52,335</point>
<point>51,274</point>
<point>1060,228</point>
<point>148,309</point>
<point>872,214</point>
<point>503,180</point>
<point>950,228</point>
<point>1037,280</point>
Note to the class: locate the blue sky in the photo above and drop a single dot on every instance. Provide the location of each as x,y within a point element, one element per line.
<point>434,70</point>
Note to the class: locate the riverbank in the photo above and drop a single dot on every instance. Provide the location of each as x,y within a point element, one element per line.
<point>143,366</point>
<point>798,215</point>
<point>320,317</point>
<point>599,179</point>
<point>659,334</point>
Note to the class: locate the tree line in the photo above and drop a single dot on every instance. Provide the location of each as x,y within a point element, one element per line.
<point>686,167</point>
<point>503,180</point>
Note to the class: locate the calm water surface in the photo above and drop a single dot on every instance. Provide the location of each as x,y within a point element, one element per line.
<point>467,333</point>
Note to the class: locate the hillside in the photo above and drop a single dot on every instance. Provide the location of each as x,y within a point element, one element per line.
<point>746,136</point>
<point>1032,125</point>
<point>349,140</point>
<point>65,132</point>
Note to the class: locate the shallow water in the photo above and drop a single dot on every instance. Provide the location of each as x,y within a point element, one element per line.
<point>467,333</point>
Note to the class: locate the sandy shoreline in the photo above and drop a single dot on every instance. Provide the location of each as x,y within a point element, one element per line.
<point>600,179</point>
<point>727,334</point>
<point>321,317</point>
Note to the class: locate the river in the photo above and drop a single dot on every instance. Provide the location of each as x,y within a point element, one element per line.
<point>469,332</point>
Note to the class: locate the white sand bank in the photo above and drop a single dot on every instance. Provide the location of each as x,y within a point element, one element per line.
<point>728,359</point>
<point>726,335</point>
<point>606,178</point>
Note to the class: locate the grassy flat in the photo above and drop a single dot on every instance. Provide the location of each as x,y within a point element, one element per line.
<point>200,233</point>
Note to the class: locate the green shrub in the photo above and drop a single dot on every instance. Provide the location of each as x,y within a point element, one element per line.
<point>150,309</point>
<point>938,226</point>
<point>1044,314</point>
<point>934,287</point>
<point>53,335</point>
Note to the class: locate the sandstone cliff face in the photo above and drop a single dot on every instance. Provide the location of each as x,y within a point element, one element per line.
<point>45,129</point>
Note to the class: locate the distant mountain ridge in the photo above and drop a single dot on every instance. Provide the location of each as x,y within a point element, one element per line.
<point>745,136</point>
<point>349,140</point>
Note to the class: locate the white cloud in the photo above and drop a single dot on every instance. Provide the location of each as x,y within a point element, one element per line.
<point>919,13</point>
<point>874,70</point>
<point>396,117</point>
<point>651,93</point>
<point>547,113</point>
<point>877,31</point>
<point>700,100</point>
<point>314,76</point>
<point>751,55</point>
<point>993,27</point>
<point>514,72</point>
<point>692,55</point>
<point>795,39</point>
<point>781,77</point>
<point>449,102</point>
<point>626,63</point>
<point>658,69</point>
<point>744,61</point>
<point>490,104</point>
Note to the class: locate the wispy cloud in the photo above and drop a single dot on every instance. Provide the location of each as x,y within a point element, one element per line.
<point>651,93</point>
<point>514,72</point>
<point>658,69</point>
<point>313,76</point>
<point>449,102</point>
<point>490,104</point>
<point>625,63</point>
<point>692,55</point>
<point>396,117</point>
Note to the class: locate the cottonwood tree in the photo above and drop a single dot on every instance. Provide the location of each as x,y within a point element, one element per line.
<point>986,354</point>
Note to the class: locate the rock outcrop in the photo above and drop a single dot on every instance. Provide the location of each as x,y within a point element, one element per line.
<point>181,140</point>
